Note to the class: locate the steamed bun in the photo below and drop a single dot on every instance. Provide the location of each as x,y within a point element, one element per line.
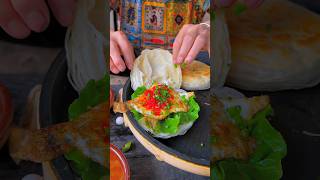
<point>155,66</point>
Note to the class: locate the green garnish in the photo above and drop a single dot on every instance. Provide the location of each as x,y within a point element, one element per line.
<point>175,65</point>
<point>161,95</point>
<point>167,106</point>
<point>183,65</point>
<point>127,147</point>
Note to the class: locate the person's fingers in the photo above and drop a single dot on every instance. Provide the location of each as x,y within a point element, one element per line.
<point>113,68</point>
<point>187,42</point>
<point>35,13</point>
<point>63,10</point>
<point>253,3</point>
<point>116,56</point>
<point>126,49</point>
<point>11,22</point>
<point>198,44</point>
<point>177,44</point>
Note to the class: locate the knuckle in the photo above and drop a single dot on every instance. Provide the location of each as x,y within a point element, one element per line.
<point>121,34</point>
<point>188,37</point>
<point>182,53</point>
<point>117,63</point>
<point>203,32</point>
<point>186,26</point>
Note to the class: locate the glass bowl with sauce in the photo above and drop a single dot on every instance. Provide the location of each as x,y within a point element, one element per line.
<point>119,167</point>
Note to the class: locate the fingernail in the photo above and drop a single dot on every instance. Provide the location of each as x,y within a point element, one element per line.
<point>188,59</point>
<point>36,21</point>
<point>17,29</point>
<point>123,68</point>
<point>180,59</point>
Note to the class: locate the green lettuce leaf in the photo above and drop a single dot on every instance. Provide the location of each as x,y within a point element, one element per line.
<point>140,90</point>
<point>94,93</point>
<point>265,162</point>
<point>171,124</point>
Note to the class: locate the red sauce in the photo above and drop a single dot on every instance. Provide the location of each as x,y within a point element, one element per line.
<point>117,171</point>
<point>158,98</point>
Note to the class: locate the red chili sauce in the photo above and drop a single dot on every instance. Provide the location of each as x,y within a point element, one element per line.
<point>158,98</point>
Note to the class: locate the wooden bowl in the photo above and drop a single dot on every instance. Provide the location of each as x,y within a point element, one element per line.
<point>189,152</point>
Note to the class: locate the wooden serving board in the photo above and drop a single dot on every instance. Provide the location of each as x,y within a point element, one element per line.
<point>189,152</point>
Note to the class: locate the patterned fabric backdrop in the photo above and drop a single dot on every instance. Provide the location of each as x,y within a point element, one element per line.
<point>155,23</point>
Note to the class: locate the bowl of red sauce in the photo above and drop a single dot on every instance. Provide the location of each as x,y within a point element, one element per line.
<point>119,167</point>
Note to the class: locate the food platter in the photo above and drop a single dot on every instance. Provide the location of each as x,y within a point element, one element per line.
<point>189,152</point>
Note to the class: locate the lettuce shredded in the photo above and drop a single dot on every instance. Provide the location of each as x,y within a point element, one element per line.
<point>172,123</point>
<point>94,93</point>
<point>265,162</point>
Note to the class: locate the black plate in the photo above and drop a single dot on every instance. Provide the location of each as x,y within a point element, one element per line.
<point>187,147</point>
<point>194,145</point>
<point>56,96</point>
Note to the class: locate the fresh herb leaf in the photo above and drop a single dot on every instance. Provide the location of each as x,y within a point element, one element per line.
<point>127,147</point>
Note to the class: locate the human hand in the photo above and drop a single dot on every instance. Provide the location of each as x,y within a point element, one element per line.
<point>19,17</point>
<point>120,46</point>
<point>190,40</point>
<point>227,3</point>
